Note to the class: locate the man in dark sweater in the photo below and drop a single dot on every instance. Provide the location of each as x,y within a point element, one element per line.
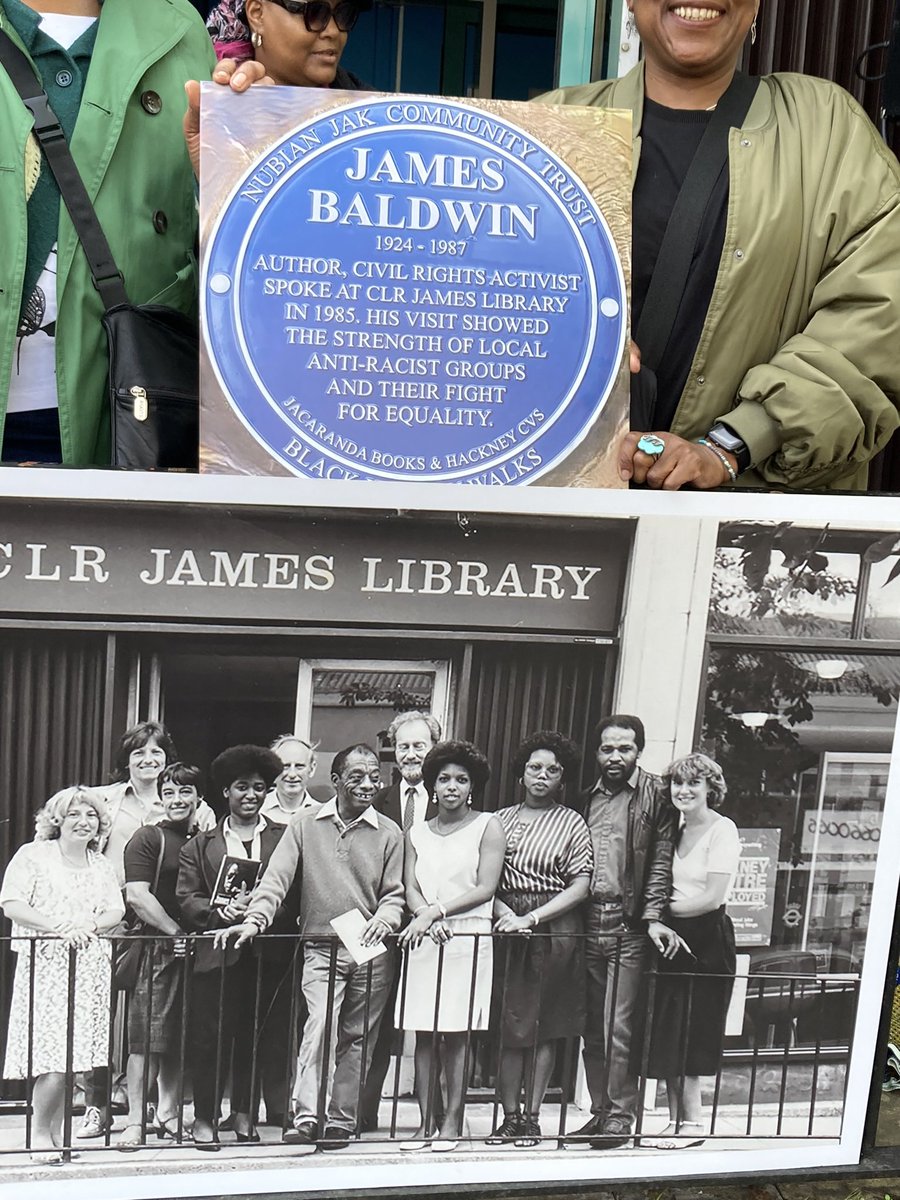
<point>348,856</point>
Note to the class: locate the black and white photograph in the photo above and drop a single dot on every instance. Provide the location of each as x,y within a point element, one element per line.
<point>236,877</point>
<point>597,783</point>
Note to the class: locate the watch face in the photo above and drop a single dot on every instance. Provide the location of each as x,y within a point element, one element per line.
<point>726,439</point>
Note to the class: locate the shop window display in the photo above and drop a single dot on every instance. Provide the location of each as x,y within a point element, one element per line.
<point>800,711</point>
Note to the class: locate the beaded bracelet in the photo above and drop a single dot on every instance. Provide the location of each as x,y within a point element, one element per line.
<point>732,474</point>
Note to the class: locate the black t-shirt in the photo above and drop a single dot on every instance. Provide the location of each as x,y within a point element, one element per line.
<point>142,855</point>
<point>669,141</point>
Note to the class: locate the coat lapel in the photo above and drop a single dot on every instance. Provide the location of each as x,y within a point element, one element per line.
<point>211,858</point>
<point>149,30</point>
<point>131,38</point>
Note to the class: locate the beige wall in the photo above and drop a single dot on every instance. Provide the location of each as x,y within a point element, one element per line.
<point>663,629</point>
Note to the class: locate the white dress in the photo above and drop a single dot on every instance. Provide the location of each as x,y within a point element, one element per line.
<point>446,867</point>
<point>39,876</point>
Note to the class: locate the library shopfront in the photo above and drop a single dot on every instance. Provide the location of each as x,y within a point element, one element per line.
<point>776,649</point>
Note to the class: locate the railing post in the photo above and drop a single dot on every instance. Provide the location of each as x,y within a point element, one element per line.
<point>873,1107</point>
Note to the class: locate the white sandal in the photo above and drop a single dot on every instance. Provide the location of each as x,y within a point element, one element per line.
<point>414,1144</point>
<point>677,1141</point>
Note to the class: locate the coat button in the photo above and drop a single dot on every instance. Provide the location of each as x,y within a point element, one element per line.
<point>739,254</point>
<point>745,142</point>
<point>64,78</point>
<point>151,102</point>
<point>160,221</point>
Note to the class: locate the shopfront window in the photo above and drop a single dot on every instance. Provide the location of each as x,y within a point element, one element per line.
<point>839,839</point>
<point>799,710</point>
<point>435,47</point>
<point>772,592</point>
<point>340,702</point>
<point>882,619</point>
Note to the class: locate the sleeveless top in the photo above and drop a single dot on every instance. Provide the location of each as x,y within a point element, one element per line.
<point>446,867</point>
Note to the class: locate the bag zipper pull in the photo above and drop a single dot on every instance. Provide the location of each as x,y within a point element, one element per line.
<point>141,407</point>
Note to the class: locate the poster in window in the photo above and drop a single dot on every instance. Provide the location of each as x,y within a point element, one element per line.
<point>751,901</point>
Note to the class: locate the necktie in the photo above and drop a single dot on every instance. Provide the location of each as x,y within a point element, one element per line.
<point>409,813</point>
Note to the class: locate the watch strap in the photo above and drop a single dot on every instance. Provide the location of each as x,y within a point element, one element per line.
<point>727,439</point>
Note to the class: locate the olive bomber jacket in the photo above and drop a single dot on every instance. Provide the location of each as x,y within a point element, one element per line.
<point>800,351</point>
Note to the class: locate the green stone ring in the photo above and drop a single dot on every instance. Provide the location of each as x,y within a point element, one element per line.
<point>651,444</point>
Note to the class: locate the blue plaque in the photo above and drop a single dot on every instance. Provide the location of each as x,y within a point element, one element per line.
<point>414,288</point>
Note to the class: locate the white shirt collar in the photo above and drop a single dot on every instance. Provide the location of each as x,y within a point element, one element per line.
<point>272,804</point>
<point>236,845</point>
<point>330,809</point>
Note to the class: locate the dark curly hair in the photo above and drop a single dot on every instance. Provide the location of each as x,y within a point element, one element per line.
<point>238,761</point>
<point>462,754</point>
<point>568,753</point>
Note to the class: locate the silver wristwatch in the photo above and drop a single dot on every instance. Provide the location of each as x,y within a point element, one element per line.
<point>726,439</point>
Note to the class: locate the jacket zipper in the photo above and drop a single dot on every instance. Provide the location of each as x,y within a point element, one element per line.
<point>141,407</point>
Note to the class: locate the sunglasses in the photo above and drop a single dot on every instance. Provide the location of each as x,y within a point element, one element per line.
<point>317,14</point>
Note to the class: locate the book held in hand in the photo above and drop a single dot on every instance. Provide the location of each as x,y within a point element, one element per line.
<point>236,876</point>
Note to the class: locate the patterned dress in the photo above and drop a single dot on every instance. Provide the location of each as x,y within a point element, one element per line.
<point>39,876</point>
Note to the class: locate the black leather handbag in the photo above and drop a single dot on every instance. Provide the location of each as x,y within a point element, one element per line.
<point>154,393</point>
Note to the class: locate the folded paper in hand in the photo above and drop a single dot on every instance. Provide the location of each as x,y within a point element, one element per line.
<point>349,927</point>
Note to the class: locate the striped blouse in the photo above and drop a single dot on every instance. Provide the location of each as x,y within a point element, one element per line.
<point>548,853</point>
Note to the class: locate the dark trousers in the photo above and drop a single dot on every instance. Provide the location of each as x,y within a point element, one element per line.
<point>96,1087</point>
<point>33,437</point>
<point>617,960</point>
<point>222,1032</point>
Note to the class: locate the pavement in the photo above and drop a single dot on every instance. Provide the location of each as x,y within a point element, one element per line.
<point>382,1161</point>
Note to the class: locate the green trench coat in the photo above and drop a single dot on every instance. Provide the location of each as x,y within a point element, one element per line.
<point>135,166</point>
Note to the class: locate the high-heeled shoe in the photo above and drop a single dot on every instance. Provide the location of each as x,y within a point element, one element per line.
<point>166,1131</point>
<point>252,1136</point>
<point>211,1144</point>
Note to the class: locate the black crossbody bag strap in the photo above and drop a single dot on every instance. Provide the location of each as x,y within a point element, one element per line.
<point>676,253</point>
<point>159,860</point>
<point>48,131</point>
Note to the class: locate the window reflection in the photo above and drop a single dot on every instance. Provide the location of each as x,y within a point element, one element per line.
<point>804,740</point>
<point>883,600</point>
<point>761,591</point>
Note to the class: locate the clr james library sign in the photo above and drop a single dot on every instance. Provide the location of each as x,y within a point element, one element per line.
<point>288,565</point>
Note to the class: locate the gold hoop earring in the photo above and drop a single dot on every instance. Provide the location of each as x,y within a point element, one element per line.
<point>256,40</point>
<point>753,33</point>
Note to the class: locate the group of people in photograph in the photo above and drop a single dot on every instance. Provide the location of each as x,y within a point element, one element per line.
<point>411,908</point>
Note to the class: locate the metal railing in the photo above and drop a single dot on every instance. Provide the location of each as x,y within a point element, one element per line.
<point>777,1080</point>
